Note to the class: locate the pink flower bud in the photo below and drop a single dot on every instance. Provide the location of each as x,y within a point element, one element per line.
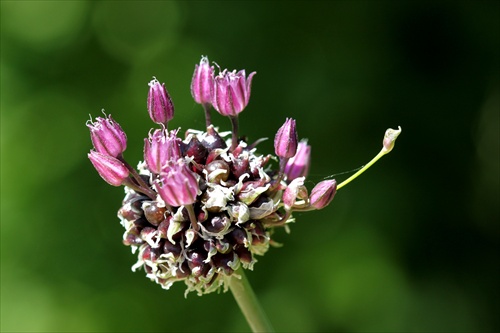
<point>160,106</point>
<point>160,148</point>
<point>298,165</point>
<point>322,194</point>
<point>107,136</point>
<point>112,170</point>
<point>202,82</point>
<point>285,142</point>
<point>231,92</point>
<point>178,185</point>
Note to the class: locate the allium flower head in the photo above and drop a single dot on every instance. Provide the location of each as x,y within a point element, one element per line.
<point>203,206</point>
<point>231,92</point>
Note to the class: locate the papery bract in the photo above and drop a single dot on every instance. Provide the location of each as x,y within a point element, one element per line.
<point>294,190</point>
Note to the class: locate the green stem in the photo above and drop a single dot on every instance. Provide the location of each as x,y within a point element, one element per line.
<point>387,145</point>
<point>363,169</point>
<point>248,303</point>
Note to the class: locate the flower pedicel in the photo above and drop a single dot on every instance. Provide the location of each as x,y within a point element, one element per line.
<point>200,207</point>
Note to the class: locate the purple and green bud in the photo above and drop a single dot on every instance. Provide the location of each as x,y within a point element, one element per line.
<point>178,186</point>
<point>112,170</point>
<point>322,194</point>
<point>202,82</point>
<point>285,141</point>
<point>298,165</point>
<point>107,136</point>
<point>160,106</point>
<point>160,148</point>
<point>231,92</point>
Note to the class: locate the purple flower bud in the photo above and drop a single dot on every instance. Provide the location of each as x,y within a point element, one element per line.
<point>178,185</point>
<point>298,165</point>
<point>160,148</point>
<point>285,142</point>
<point>160,106</point>
<point>112,170</point>
<point>202,82</point>
<point>107,136</point>
<point>322,194</point>
<point>231,92</point>
<point>294,190</point>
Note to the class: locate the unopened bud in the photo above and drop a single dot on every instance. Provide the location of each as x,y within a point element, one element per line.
<point>160,106</point>
<point>112,170</point>
<point>285,142</point>
<point>322,194</point>
<point>202,82</point>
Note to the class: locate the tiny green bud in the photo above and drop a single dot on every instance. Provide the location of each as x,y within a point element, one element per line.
<point>390,138</point>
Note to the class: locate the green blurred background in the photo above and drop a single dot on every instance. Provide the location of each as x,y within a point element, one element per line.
<point>410,246</point>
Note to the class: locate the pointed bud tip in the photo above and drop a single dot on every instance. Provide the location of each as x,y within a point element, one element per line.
<point>390,138</point>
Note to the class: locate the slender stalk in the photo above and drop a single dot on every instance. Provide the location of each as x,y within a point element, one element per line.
<point>234,123</point>
<point>142,184</point>
<point>248,303</point>
<point>388,144</point>
<point>192,217</point>
<point>206,108</point>
<point>363,169</point>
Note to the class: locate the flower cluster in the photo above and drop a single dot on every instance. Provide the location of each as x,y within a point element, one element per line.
<point>199,207</point>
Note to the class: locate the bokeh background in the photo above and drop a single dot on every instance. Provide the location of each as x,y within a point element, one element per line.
<point>410,246</point>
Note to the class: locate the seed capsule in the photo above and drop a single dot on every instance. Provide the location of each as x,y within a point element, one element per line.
<point>154,213</point>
